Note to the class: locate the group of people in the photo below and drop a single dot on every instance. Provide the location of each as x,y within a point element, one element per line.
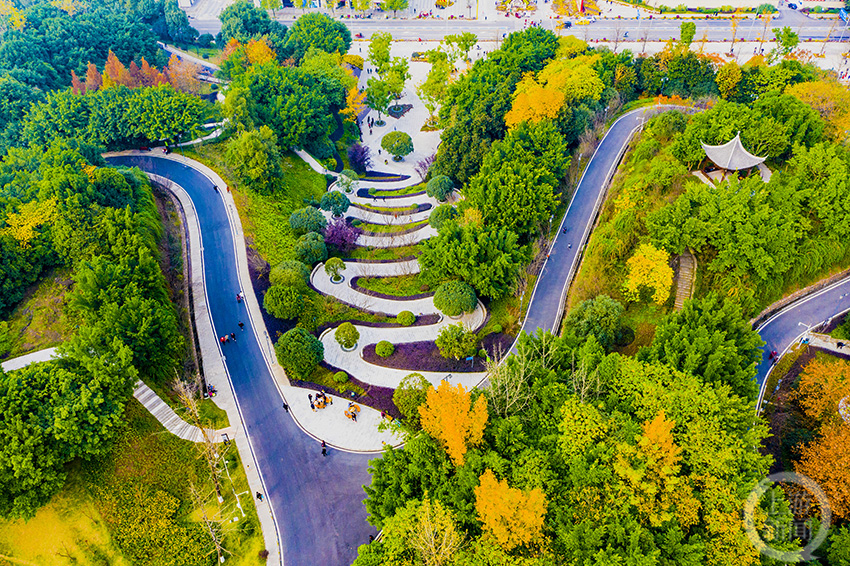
<point>232,336</point>
<point>322,400</point>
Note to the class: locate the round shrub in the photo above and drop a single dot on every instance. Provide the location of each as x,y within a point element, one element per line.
<point>340,377</point>
<point>453,298</point>
<point>283,301</point>
<point>405,318</point>
<point>497,328</point>
<point>335,202</point>
<point>307,219</point>
<point>346,335</point>
<point>289,271</point>
<point>334,267</point>
<point>440,187</point>
<point>410,394</point>
<point>204,40</point>
<point>397,144</point>
<point>299,352</point>
<point>347,180</point>
<point>311,248</point>
<point>441,214</point>
<point>482,353</point>
<point>384,349</point>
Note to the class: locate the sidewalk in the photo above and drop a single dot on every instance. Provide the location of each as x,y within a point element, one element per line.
<point>33,357</point>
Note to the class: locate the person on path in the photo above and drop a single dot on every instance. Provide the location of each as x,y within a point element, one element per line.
<point>286,407</point>
<point>259,496</point>
<point>233,336</point>
<point>241,325</point>
<point>312,407</point>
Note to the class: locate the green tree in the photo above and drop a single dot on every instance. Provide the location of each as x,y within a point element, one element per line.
<point>336,202</point>
<point>255,158</point>
<point>518,179</point>
<point>243,21</point>
<point>395,5</point>
<point>460,44</point>
<point>709,338</point>
<point>177,23</point>
<point>455,341</point>
<point>601,317</point>
<point>307,219</point>
<point>319,31</point>
<point>284,301</point>
<point>488,259</point>
<point>410,394</point>
<point>397,76</point>
<point>440,187</point>
<point>441,214</point>
<point>453,298</point>
<point>271,5</point>
<point>687,30</point>
<point>347,335</point>
<point>348,180</point>
<point>786,41</point>
<point>379,51</point>
<point>289,272</point>
<point>397,144</point>
<point>299,352</point>
<point>310,248</point>
<point>433,90</point>
<point>333,267</point>
<point>378,95</point>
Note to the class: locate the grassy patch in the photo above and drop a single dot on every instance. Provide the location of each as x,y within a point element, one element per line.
<point>40,320</point>
<point>400,286</point>
<point>376,254</point>
<point>397,192</point>
<point>324,377</point>
<point>147,460</point>
<point>391,210</point>
<point>265,218</point>
<point>390,228</point>
<point>68,530</point>
<point>325,310</point>
<point>642,318</point>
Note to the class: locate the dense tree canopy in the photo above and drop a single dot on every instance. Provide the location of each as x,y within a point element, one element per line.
<point>319,31</point>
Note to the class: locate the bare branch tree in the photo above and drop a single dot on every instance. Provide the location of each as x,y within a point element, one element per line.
<point>509,392</point>
<point>188,393</point>
<point>212,526</point>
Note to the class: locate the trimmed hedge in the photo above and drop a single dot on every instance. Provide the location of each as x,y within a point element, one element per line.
<point>406,318</point>
<point>384,349</point>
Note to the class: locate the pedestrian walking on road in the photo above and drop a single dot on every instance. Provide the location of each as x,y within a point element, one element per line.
<point>324,449</point>
<point>233,336</point>
<point>241,325</point>
<point>286,407</point>
<point>226,339</point>
<point>221,340</point>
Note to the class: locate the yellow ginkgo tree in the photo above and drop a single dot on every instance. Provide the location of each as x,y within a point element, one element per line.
<point>648,268</point>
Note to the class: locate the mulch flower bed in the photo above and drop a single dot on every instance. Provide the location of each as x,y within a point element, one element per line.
<point>399,110</point>
<point>364,193</point>
<point>420,321</point>
<point>425,356</point>
<point>372,293</point>
<point>422,207</point>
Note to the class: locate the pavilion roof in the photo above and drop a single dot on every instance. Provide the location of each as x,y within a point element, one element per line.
<point>731,155</point>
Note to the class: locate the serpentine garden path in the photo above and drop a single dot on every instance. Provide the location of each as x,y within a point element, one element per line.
<point>314,512</point>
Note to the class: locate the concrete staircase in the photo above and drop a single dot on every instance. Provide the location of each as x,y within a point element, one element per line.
<point>685,280</point>
<point>170,420</point>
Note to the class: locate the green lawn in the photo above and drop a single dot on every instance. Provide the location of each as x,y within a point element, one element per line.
<point>390,228</point>
<point>398,192</point>
<point>391,210</point>
<point>401,286</point>
<point>40,320</point>
<point>265,218</point>
<point>384,253</point>
<point>324,377</point>
<point>83,524</point>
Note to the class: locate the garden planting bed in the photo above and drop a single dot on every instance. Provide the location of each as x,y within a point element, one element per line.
<point>423,320</point>
<point>372,293</point>
<point>425,356</point>
<point>389,211</point>
<point>377,397</point>
<point>364,193</point>
<point>405,258</point>
<point>389,233</point>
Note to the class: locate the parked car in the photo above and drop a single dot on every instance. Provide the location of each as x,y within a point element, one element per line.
<point>792,6</point>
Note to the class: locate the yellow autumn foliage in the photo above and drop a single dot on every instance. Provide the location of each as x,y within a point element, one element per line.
<point>449,415</point>
<point>510,516</point>
<point>562,81</point>
<point>832,101</point>
<point>648,267</point>
<point>22,225</point>
<point>17,20</point>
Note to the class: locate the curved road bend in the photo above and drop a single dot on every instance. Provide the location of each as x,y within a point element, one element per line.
<point>786,326</point>
<point>318,502</point>
<point>545,308</point>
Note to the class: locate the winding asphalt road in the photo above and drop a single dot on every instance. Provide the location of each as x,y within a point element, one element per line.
<point>318,502</point>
